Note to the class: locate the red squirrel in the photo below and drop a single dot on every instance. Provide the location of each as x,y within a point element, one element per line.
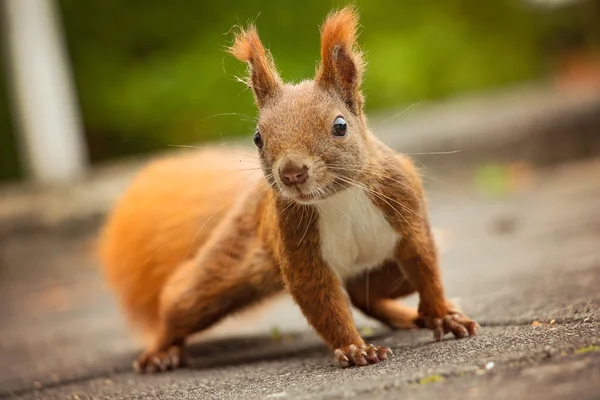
<point>336,218</point>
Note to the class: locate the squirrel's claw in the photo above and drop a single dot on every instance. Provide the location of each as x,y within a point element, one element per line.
<point>159,361</point>
<point>460,325</point>
<point>360,356</point>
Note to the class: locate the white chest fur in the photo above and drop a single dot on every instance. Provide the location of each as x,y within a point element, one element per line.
<point>355,235</point>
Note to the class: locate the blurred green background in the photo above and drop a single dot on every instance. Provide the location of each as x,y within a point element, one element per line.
<point>154,73</point>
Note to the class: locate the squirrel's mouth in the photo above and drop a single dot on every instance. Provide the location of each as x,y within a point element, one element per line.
<point>299,196</point>
<point>308,198</point>
<point>302,198</point>
<point>315,193</point>
<point>308,193</point>
<point>311,197</point>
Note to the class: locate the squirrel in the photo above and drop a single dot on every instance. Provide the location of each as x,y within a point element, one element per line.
<point>336,218</point>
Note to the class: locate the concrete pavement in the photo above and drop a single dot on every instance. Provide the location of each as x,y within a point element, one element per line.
<point>525,263</point>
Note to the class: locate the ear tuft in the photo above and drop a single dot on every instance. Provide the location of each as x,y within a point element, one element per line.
<point>245,43</point>
<point>341,61</point>
<point>339,30</point>
<point>263,77</point>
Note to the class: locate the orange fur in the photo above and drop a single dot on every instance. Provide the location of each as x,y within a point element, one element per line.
<point>193,241</point>
<point>247,47</point>
<point>263,78</point>
<point>166,214</point>
<point>339,29</point>
<point>342,63</point>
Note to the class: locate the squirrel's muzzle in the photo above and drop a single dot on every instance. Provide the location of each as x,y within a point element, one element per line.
<point>292,173</point>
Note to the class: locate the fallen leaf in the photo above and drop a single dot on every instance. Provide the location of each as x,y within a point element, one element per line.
<point>366,331</point>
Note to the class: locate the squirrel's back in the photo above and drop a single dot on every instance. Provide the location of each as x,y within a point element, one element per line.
<point>166,214</point>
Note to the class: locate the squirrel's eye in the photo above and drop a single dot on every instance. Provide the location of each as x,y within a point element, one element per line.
<point>258,140</point>
<point>339,127</point>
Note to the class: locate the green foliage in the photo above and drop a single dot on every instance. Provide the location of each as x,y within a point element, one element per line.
<point>155,73</point>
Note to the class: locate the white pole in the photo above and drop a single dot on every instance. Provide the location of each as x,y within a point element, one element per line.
<point>44,102</point>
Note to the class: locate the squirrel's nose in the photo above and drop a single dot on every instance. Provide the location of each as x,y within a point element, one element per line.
<point>292,174</point>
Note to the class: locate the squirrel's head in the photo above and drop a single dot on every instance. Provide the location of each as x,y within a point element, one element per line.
<point>311,137</point>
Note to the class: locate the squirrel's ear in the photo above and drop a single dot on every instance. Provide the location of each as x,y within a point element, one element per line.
<point>342,64</point>
<point>263,79</point>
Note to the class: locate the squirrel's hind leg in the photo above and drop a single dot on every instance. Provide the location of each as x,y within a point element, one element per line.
<point>375,293</point>
<point>201,293</point>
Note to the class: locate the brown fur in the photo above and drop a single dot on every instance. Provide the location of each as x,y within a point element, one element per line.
<point>263,77</point>
<point>188,244</point>
<point>342,63</point>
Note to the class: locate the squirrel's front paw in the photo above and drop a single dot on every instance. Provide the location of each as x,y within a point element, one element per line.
<point>459,324</point>
<point>159,361</point>
<point>364,355</point>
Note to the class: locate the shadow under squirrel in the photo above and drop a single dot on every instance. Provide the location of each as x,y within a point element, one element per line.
<point>334,209</point>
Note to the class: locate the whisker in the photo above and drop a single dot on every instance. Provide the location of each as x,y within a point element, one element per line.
<point>396,115</point>
<point>399,281</point>
<point>248,161</point>
<point>340,210</point>
<point>154,254</point>
<point>404,184</point>
<point>187,252</point>
<point>448,185</point>
<point>243,169</point>
<point>183,204</point>
<point>290,206</point>
<point>367,290</point>
<point>188,146</point>
<point>209,219</point>
<point>307,227</point>
<point>322,210</point>
<point>386,197</point>
<point>436,152</point>
<point>392,207</point>
<point>251,202</point>
<point>300,222</point>
<point>244,117</point>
